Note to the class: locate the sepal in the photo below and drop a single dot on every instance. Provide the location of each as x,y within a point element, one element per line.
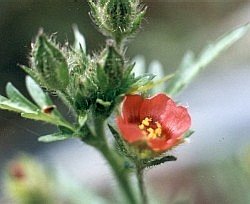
<point>157,161</point>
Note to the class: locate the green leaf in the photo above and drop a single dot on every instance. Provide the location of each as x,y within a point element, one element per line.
<point>49,118</point>
<point>7,105</point>
<point>190,67</point>
<point>140,81</point>
<point>152,84</point>
<point>42,99</point>
<point>16,102</point>
<point>54,137</point>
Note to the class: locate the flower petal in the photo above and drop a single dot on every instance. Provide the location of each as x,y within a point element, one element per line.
<point>176,121</point>
<point>155,106</point>
<point>131,107</point>
<point>162,144</point>
<point>130,132</point>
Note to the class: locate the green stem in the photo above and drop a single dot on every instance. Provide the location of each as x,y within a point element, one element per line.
<point>140,174</point>
<point>114,162</point>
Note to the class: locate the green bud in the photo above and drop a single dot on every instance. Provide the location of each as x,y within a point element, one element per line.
<point>119,12</point>
<point>50,64</point>
<point>113,66</point>
<point>118,19</point>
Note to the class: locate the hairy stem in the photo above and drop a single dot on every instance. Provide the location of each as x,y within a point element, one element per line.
<point>115,163</point>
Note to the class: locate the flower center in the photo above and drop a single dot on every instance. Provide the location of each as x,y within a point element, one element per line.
<point>151,129</point>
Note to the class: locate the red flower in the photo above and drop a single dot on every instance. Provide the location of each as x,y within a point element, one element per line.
<point>157,121</point>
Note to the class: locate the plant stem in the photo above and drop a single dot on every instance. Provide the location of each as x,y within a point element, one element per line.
<point>114,162</point>
<point>140,174</point>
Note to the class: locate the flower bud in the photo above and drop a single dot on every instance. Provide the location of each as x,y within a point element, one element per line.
<point>118,19</point>
<point>119,12</point>
<point>113,66</point>
<point>50,64</point>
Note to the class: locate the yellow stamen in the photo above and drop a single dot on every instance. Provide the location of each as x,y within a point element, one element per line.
<point>146,121</point>
<point>150,132</point>
<point>141,126</point>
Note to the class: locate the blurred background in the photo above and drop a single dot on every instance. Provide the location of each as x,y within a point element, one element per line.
<point>215,166</point>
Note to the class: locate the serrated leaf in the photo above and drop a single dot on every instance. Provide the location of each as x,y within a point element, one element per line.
<point>190,67</point>
<point>54,137</point>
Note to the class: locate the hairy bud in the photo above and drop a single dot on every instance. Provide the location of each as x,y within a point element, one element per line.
<point>50,64</point>
<point>114,64</point>
<point>118,19</point>
<point>119,12</point>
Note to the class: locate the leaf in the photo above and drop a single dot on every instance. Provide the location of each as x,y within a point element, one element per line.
<point>16,102</point>
<point>153,84</point>
<point>190,67</point>
<point>54,137</point>
<point>37,94</point>
<point>140,81</point>
<point>6,104</point>
<point>49,118</point>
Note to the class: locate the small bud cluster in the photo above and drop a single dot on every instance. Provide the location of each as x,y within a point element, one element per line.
<point>90,83</point>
